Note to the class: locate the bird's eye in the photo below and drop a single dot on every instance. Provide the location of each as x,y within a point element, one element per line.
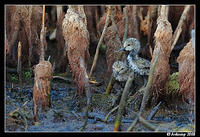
<point>128,45</point>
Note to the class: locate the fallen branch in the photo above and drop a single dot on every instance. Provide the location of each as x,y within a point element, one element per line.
<point>179,27</point>
<point>100,41</point>
<point>122,103</point>
<point>146,92</point>
<point>142,120</point>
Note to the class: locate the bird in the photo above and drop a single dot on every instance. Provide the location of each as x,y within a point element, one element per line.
<point>139,65</point>
<point>120,71</point>
<point>133,62</point>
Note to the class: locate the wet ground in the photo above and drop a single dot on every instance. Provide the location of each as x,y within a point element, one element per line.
<point>66,114</point>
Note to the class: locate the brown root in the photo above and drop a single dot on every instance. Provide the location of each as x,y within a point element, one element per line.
<point>113,43</point>
<point>186,72</point>
<point>23,23</point>
<point>163,37</point>
<point>41,88</point>
<point>7,46</point>
<point>92,20</point>
<point>76,41</point>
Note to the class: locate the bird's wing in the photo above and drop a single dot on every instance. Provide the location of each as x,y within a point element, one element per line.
<point>143,63</point>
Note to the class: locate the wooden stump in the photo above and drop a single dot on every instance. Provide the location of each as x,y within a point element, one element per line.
<point>41,89</point>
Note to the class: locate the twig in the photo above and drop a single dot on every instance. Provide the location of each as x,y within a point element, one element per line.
<point>42,35</point>
<point>58,11</point>
<point>19,64</point>
<point>24,117</point>
<point>63,78</point>
<point>135,22</point>
<point>179,27</point>
<point>126,27</point>
<point>153,112</point>
<point>147,124</point>
<point>164,11</point>
<point>88,93</point>
<point>99,43</point>
<point>30,35</point>
<point>49,58</point>
<point>142,120</point>
<point>70,80</point>
<point>115,108</point>
<point>146,92</point>
<point>11,113</point>
<point>43,16</point>
<point>122,103</point>
<point>110,84</point>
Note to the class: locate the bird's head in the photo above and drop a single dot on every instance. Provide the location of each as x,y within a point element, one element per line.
<point>131,44</point>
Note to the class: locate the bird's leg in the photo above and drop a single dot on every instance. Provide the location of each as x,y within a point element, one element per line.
<point>145,81</point>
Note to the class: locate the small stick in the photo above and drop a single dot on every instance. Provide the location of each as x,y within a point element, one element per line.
<point>59,11</point>
<point>100,41</point>
<point>141,119</point>
<point>43,16</point>
<point>179,27</point>
<point>126,27</point>
<point>154,111</point>
<point>146,92</point>
<point>19,64</point>
<point>115,108</point>
<point>11,113</point>
<point>42,35</point>
<point>88,93</point>
<point>110,84</point>
<point>63,78</point>
<point>49,58</point>
<point>30,35</point>
<point>122,103</point>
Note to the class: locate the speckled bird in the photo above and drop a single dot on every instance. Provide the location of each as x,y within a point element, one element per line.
<point>120,71</point>
<point>141,66</point>
<point>137,64</point>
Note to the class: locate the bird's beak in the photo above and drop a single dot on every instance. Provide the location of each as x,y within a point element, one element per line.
<point>121,49</point>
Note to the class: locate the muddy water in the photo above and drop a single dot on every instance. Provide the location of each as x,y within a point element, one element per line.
<point>66,113</point>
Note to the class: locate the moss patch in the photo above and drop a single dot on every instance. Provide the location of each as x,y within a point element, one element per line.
<point>102,101</point>
<point>173,85</point>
